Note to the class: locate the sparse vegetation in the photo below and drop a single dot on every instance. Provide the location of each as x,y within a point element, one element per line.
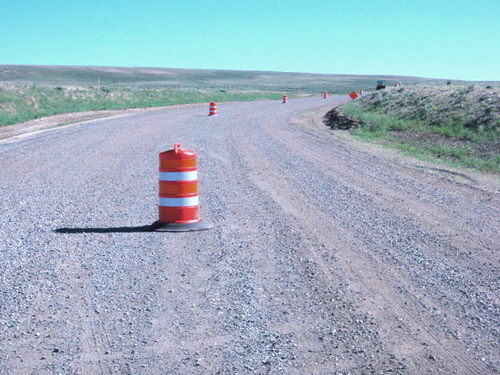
<point>29,92</point>
<point>457,124</point>
<point>19,103</point>
<point>230,80</point>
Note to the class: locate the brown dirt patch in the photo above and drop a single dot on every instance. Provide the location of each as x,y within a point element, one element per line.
<point>337,120</point>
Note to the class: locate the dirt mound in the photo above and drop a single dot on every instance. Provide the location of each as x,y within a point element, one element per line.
<point>335,119</point>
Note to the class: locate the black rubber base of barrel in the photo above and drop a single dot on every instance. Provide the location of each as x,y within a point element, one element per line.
<point>180,227</point>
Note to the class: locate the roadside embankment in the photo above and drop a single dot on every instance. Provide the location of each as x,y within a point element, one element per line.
<point>460,125</point>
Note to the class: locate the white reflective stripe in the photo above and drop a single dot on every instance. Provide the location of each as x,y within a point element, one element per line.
<point>179,202</point>
<point>179,176</point>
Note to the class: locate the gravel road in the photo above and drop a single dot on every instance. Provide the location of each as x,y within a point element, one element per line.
<point>327,256</point>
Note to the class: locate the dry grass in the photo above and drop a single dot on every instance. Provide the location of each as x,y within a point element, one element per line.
<point>471,107</point>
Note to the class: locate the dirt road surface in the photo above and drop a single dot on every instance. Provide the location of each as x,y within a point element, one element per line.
<point>327,256</point>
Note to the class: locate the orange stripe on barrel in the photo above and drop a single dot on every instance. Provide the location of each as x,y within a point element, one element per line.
<point>213,109</point>
<point>180,188</point>
<point>177,164</point>
<point>184,215</point>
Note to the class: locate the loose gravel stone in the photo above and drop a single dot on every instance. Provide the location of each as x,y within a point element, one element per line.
<point>327,257</point>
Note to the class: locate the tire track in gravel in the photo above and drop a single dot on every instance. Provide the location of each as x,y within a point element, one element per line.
<point>448,353</point>
<point>455,218</point>
<point>283,261</point>
<point>311,267</point>
<point>452,214</point>
<point>360,268</point>
<point>370,167</point>
<point>99,351</point>
<point>87,181</point>
<point>439,214</point>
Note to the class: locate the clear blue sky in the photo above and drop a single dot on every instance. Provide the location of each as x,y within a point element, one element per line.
<point>451,39</point>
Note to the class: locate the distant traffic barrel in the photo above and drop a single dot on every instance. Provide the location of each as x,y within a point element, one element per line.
<point>179,209</point>
<point>213,109</point>
<point>361,92</point>
<point>325,95</point>
<point>285,98</point>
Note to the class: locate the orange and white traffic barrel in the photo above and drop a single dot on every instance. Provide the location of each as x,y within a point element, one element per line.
<point>285,98</point>
<point>361,92</point>
<point>325,95</point>
<point>179,209</point>
<point>213,109</point>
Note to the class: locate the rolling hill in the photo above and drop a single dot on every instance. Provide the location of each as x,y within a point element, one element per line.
<point>161,78</point>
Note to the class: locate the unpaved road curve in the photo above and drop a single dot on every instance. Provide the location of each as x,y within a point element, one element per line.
<point>327,257</point>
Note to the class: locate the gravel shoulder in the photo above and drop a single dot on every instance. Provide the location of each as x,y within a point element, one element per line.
<point>328,256</point>
<point>13,133</point>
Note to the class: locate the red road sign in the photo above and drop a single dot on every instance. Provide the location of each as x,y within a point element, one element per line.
<point>353,95</point>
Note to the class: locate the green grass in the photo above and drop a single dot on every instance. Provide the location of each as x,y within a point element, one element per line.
<point>379,124</point>
<point>450,156</point>
<point>21,103</point>
<point>376,124</point>
<point>457,126</point>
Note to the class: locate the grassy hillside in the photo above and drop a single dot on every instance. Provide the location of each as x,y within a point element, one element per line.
<point>458,124</point>
<point>20,103</point>
<point>155,78</point>
<point>29,92</point>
